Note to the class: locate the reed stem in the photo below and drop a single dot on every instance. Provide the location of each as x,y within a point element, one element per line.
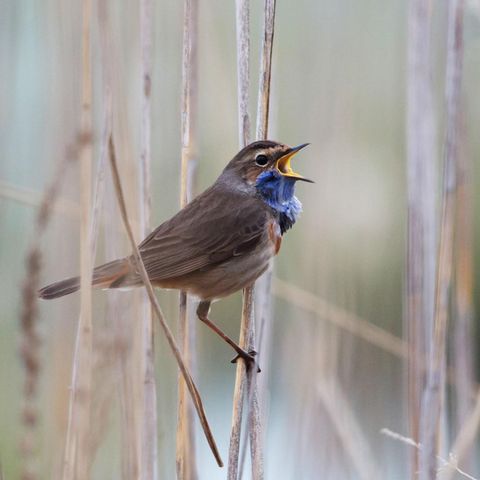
<point>432,402</point>
<point>185,452</point>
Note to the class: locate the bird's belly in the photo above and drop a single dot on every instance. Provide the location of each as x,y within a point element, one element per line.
<point>230,276</point>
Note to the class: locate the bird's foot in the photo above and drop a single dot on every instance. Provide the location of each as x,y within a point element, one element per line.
<point>249,358</point>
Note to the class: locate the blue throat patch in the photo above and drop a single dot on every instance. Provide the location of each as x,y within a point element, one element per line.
<point>278,192</point>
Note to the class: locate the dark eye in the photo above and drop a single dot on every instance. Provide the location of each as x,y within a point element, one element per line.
<point>261,160</point>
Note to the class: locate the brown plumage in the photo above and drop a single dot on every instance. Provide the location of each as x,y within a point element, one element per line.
<point>219,243</point>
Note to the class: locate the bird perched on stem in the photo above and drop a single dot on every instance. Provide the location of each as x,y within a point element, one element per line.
<point>220,242</point>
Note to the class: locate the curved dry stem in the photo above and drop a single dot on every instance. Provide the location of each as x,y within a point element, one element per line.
<point>197,401</point>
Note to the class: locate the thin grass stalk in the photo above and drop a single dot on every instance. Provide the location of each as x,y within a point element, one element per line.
<point>242,10</point>
<point>116,334</point>
<point>98,408</point>
<point>463,348</point>
<point>77,461</point>
<point>421,227</point>
<point>104,337</point>
<point>127,338</point>
<point>148,423</point>
<point>263,103</point>
<point>185,450</point>
<point>247,339</point>
<point>240,387</point>
<point>197,401</point>
<point>30,340</point>
<point>263,285</point>
<point>435,388</point>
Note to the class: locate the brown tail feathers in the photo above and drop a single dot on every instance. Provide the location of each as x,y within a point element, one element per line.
<point>118,273</point>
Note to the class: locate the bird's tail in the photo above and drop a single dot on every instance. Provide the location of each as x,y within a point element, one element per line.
<point>110,275</point>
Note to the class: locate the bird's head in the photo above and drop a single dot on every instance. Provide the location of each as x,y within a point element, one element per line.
<point>265,160</point>
<point>264,169</point>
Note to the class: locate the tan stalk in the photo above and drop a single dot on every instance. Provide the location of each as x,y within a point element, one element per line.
<point>263,103</point>
<point>185,449</point>
<point>421,228</point>
<point>263,285</point>
<point>77,460</point>
<point>432,402</point>
<point>120,340</point>
<point>148,422</point>
<point>240,387</point>
<point>247,335</point>
<point>197,401</point>
<point>463,327</point>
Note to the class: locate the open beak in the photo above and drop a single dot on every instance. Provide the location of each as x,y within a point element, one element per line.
<point>283,164</point>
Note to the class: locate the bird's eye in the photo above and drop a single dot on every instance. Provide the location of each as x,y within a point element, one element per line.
<point>261,160</point>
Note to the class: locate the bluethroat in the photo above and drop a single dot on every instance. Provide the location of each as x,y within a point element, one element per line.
<point>220,242</point>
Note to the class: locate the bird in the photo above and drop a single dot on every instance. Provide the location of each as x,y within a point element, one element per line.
<point>221,241</point>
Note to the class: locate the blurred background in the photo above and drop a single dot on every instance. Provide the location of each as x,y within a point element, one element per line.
<point>332,380</point>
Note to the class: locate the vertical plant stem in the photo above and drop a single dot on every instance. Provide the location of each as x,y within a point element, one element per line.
<point>264,284</point>
<point>240,386</point>
<point>185,451</point>
<point>247,332</point>
<point>263,103</point>
<point>463,348</point>
<point>242,9</point>
<point>77,456</point>
<point>435,388</point>
<point>421,228</point>
<point>148,422</point>
<point>246,341</point>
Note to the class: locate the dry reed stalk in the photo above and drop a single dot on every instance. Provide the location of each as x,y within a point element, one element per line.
<point>421,228</point>
<point>240,386</point>
<point>100,403</point>
<point>121,363</point>
<point>148,463</point>
<point>77,460</point>
<point>30,340</point>
<point>242,11</point>
<point>247,335</point>
<point>463,350</point>
<point>197,401</point>
<point>263,103</point>
<point>263,285</point>
<point>185,450</point>
<point>435,387</point>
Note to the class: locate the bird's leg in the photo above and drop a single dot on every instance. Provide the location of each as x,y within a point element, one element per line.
<point>202,313</point>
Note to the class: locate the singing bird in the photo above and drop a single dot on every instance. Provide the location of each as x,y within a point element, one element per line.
<point>220,242</point>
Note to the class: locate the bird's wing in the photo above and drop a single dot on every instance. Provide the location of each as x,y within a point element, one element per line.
<point>213,228</point>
